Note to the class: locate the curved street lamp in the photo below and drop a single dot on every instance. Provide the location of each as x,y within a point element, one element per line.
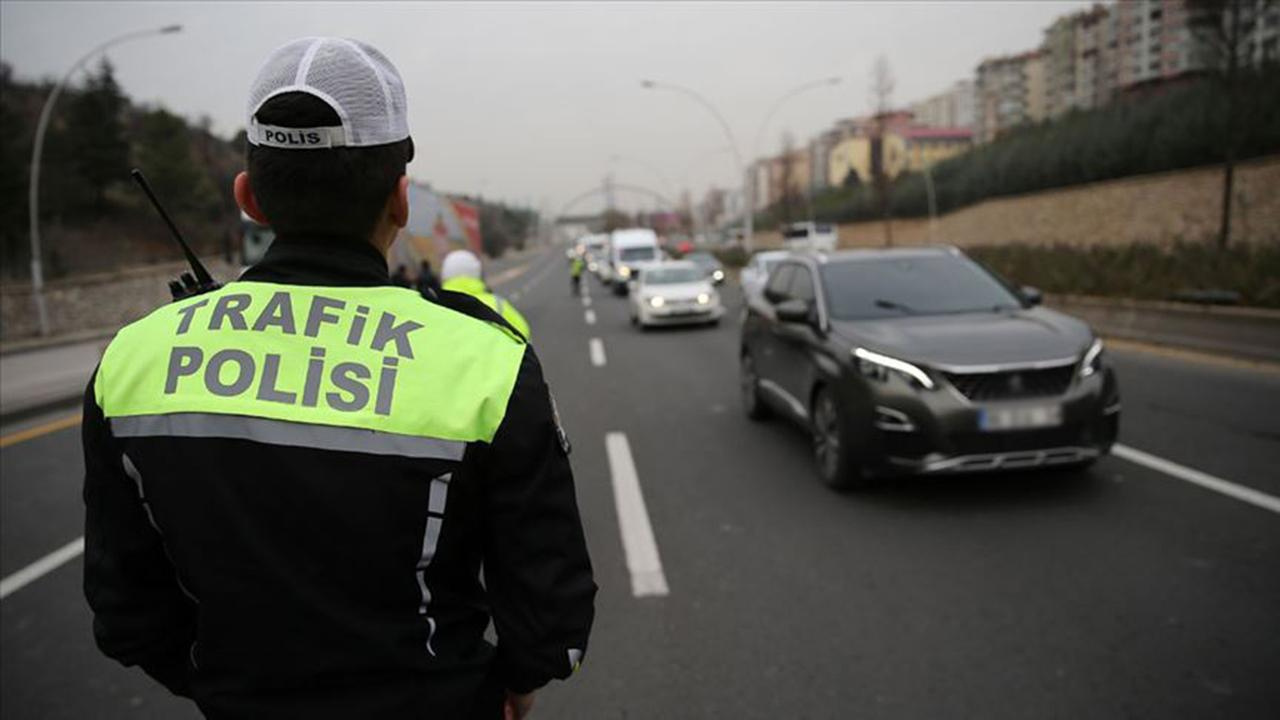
<point>748,180</point>
<point>33,197</point>
<point>749,220</point>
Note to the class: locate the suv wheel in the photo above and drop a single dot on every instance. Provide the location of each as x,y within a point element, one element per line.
<point>750,384</point>
<point>832,451</point>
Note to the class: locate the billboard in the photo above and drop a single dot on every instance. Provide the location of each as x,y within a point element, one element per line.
<point>437,224</point>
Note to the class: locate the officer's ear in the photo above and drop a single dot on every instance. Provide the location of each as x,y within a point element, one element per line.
<point>398,205</point>
<point>245,199</point>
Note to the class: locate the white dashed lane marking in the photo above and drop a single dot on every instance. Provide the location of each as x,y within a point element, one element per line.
<point>647,578</point>
<point>597,352</point>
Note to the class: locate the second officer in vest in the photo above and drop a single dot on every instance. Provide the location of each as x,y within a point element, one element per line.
<point>310,491</point>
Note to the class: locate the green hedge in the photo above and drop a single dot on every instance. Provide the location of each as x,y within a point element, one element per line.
<point>1178,126</point>
<point>1142,271</point>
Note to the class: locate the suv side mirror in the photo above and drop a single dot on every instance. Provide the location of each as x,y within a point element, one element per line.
<point>1032,295</point>
<point>793,311</point>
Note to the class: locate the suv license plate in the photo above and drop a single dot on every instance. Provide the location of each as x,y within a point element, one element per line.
<point>1019,418</point>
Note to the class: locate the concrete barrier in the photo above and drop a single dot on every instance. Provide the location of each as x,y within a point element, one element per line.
<point>1249,333</point>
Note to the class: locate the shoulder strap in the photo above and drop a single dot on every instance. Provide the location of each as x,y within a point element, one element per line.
<point>476,308</point>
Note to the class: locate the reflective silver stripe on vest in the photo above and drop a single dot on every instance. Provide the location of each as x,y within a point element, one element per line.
<point>437,497</point>
<point>279,432</point>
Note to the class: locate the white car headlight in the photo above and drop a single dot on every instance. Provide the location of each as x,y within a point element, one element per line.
<point>718,275</point>
<point>877,366</point>
<point>704,299</point>
<point>1092,361</point>
<point>657,301</point>
<point>624,271</point>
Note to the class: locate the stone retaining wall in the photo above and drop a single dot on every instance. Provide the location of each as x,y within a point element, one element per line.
<point>105,300</point>
<point>1160,208</point>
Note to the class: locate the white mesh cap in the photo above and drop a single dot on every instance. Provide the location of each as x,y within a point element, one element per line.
<point>357,81</point>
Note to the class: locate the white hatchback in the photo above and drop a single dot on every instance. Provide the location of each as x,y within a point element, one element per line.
<point>674,293</point>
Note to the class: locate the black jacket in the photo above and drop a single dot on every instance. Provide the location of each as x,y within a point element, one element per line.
<point>269,581</point>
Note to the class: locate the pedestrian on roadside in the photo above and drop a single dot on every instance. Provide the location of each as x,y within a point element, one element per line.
<point>427,283</point>
<point>462,272</point>
<point>309,492</point>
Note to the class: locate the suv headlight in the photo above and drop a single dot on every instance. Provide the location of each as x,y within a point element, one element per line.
<point>704,299</point>
<point>877,367</point>
<point>624,271</point>
<point>657,301</point>
<point>1092,361</point>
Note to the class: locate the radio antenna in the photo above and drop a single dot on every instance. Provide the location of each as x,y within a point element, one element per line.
<point>203,278</point>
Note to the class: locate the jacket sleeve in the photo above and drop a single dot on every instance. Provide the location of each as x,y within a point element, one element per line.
<point>140,614</point>
<point>536,566</point>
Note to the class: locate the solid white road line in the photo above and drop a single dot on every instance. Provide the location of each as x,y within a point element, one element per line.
<point>597,352</point>
<point>647,578</point>
<point>591,317</point>
<point>1204,480</point>
<point>41,567</point>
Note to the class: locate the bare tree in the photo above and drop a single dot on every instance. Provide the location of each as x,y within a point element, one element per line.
<point>787,179</point>
<point>1222,29</point>
<point>882,82</point>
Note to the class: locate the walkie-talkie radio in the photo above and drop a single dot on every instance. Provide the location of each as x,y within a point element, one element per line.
<point>189,284</point>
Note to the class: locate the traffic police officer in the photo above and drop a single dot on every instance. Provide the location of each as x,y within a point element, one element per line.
<point>463,273</point>
<point>294,482</point>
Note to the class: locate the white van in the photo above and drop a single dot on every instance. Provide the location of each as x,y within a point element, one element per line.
<point>821,237</point>
<point>631,251</point>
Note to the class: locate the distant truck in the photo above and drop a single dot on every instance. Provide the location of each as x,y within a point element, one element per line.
<point>820,237</point>
<point>631,251</point>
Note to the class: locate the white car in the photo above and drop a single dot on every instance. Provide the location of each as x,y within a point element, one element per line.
<point>756,272</point>
<point>674,293</point>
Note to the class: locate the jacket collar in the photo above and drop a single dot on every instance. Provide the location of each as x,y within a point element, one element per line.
<point>331,260</point>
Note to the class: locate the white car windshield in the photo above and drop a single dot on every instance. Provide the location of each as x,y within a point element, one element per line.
<point>672,276</point>
<point>636,254</point>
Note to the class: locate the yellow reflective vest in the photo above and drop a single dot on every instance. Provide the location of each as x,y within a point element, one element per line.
<point>476,288</point>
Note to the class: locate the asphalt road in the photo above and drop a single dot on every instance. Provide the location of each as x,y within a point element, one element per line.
<point>1117,592</point>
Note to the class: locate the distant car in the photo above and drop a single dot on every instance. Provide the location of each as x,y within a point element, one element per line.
<point>709,265</point>
<point>674,293</point>
<point>820,237</point>
<point>630,250</point>
<point>756,272</point>
<point>922,361</point>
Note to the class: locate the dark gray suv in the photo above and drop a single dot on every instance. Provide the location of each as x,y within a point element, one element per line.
<point>923,361</point>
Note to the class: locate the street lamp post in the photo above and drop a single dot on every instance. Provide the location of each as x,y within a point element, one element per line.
<point>748,184</point>
<point>33,197</point>
<point>749,220</point>
<point>798,90</point>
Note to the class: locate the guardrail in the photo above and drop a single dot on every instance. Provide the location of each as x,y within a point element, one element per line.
<point>1251,333</point>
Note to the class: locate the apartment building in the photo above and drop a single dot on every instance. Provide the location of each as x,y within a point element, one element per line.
<point>1010,91</point>
<point>953,108</point>
<point>1079,61</point>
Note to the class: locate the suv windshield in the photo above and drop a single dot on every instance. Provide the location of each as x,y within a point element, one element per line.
<point>670,276</point>
<point>927,285</point>
<point>634,254</point>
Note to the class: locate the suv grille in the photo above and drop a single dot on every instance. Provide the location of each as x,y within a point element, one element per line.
<point>1013,384</point>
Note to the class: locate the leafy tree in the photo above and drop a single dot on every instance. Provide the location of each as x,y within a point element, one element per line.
<point>15,146</point>
<point>1223,27</point>
<point>95,134</point>
<point>164,153</point>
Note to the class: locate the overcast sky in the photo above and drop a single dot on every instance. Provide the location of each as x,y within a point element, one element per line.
<point>532,102</point>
